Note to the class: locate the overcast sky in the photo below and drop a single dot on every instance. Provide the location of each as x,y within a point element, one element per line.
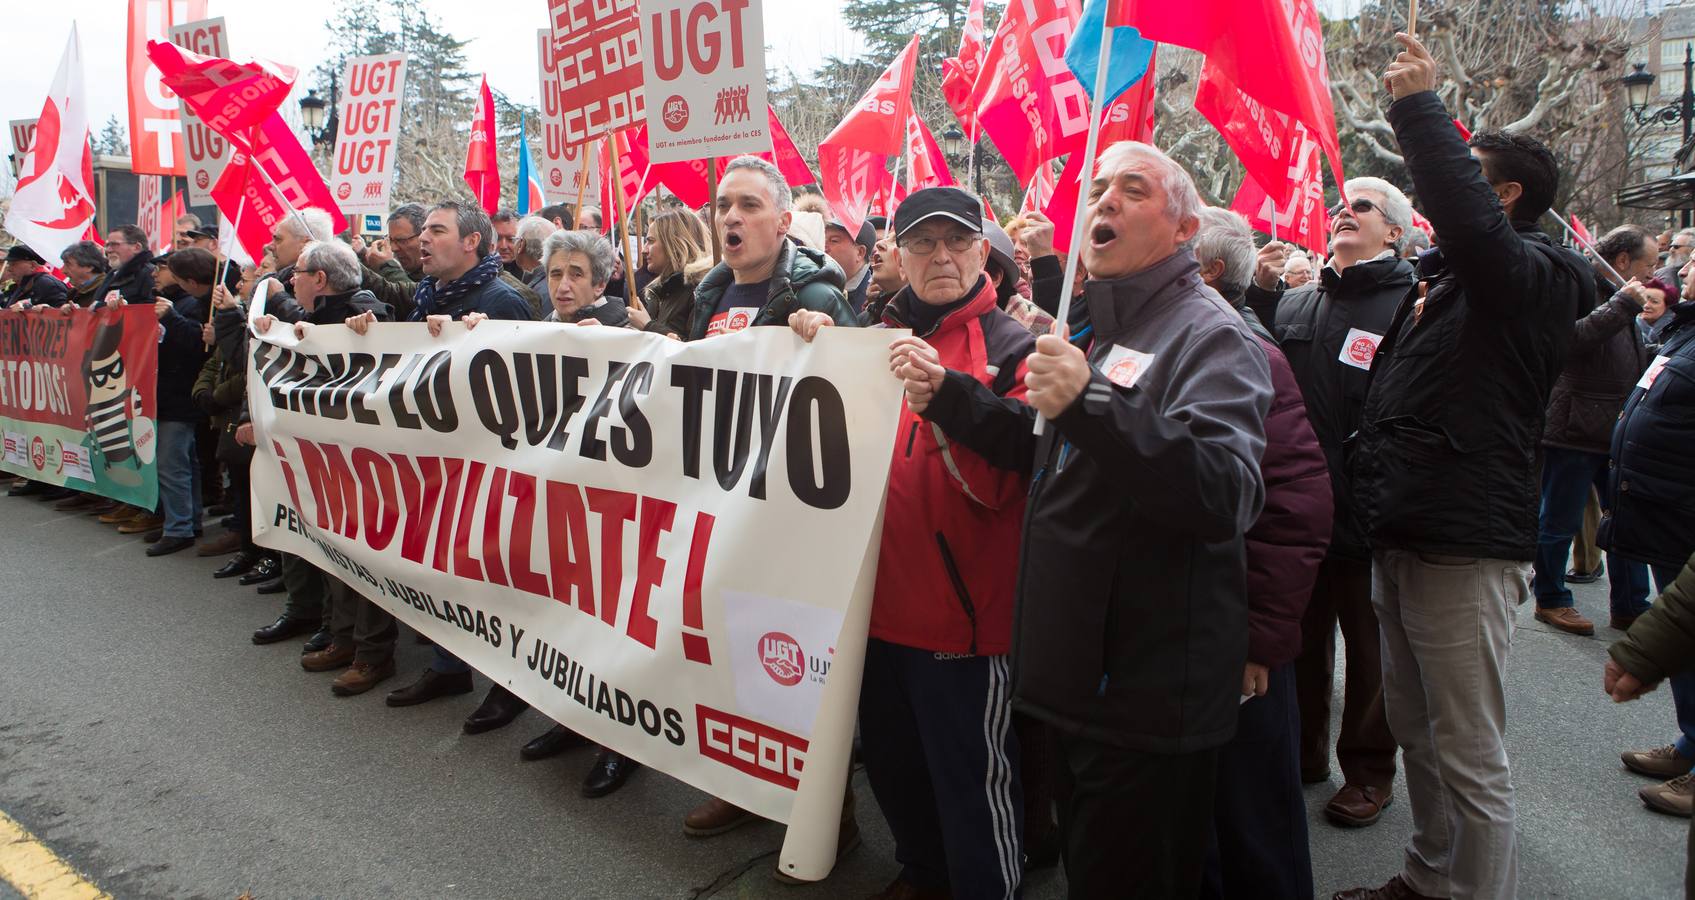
<point>501,35</point>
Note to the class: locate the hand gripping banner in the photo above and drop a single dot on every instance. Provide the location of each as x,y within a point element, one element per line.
<point>666,547</point>
<point>76,399</point>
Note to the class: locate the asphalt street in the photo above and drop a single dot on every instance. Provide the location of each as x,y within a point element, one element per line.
<point>145,740</point>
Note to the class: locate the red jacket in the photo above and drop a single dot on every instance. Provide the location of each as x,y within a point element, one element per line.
<point>1287,542</point>
<point>952,523</point>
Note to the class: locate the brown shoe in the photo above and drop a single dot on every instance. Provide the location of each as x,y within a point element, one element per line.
<point>1395,889</point>
<point>361,677</point>
<point>1566,619</point>
<point>223,544</point>
<point>118,515</point>
<point>142,524</point>
<point>79,502</point>
<point>1660,762</point>
<point>1676,797</point>
<point>332,657</point>
<point>1357,806</point>
<point>715,817</point>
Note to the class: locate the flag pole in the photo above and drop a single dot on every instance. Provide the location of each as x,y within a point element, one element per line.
<point>1412,18</point>
<point>712,208</point>
<point>1096,113</point>
<point>624,219</point>
<point>582,184</point>
<point>1591,248</point>
<point>1274,221</point>
<point>223,272</point>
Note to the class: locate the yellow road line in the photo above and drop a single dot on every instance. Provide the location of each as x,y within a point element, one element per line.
<point>37,872</point>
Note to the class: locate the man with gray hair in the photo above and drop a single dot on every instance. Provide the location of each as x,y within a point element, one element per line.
<point>1329,330</point>
<point>532,231</point>
<point>1224,247</point>
<point>765,277</point>
<point>1132,617</point>
<point>1678,255</point>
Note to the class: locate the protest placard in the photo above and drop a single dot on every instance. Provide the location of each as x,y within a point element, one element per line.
<point>705,67</point>
<point>365,150</point>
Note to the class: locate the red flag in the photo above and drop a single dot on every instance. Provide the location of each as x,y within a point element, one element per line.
<point>260,186</point>
<point>959,72</point>
<point>1302,220</point>
<point>1582,232</point>
<point>1029,103</point>
<point>1273,51</point>
<point>784,154</point>
<point>1465,133</point>
<point>155,129</point>
<point>230,97</point>
<point>852,159</point>
<point>54,199</point>
<point>629,179</point>
<point>690,180</point>
<point>1128,118</point>
<point>1423,224</point>
<point>169,213</point>
<point>1271,146</point>
<point>925,164</point>
<point>482,161</point>
<point>1041,190</point>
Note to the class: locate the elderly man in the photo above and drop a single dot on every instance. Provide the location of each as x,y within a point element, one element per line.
<point>396,257</point>
<point>131,266</point>
<point>1132,619</point>
<point>1606,360</point>
<point>934,710</point>
<point>588,219</point>
<point>1678,254</point>
<point>84,264</point>
<point>532,232</point>
<point>1329,330</point>
<point>362,635</point>
<point>32,284</point>
<point>1443,476</point>
<point>853,253</point>
<point>764,277</point>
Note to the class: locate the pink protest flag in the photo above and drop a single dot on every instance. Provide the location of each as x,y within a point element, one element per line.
<point>263,184</point>
<point>230,97</point>
<point>482,161</point>
<point>1128,118</point>
<point>53,205</point>
<point>1032,109</point>
<point>852,159</point>
<point>960,72</point>
<point>925,164</point>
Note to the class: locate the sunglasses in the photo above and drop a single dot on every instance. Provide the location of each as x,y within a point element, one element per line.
<point>1358,206</point>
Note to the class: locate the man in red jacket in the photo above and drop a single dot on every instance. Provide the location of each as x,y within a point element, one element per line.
<point>934,710</point>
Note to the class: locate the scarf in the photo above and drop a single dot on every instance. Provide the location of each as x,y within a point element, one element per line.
<point>433,295</point>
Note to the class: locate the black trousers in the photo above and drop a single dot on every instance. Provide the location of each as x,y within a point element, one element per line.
<point>1259,828</point>
<point>1135,824</point>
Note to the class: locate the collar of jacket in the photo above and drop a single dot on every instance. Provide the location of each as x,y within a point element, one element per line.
<point>1378,271</point>
<point>1682,317</point>
<point>1117,304</point>
<point>136,263</point>
<point>982,300</point>
<point>333,309</point>
<point>719,279</point>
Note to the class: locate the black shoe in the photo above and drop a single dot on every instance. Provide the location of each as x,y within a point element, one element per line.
<point>283,629</point>
<point>273,586</point>
<point>238,564</point>
<point>1576,577</point>
<point>609,773</point>
<point>554,741</point>
<point>57,493</point>
<point>498,710</point>
<point>26,488</point>
<point>167,545</point>
<point>268,568</point>
<point>217,509</point>
<point>430,685</point>
<point>154,536</point>
<point>318,641</point>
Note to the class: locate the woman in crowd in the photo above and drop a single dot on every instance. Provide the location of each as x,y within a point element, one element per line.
<point>678,256</point>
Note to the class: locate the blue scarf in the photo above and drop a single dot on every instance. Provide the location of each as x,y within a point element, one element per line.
<point>432,294</point>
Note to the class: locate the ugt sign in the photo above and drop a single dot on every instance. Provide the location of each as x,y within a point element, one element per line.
<point>705,68</point>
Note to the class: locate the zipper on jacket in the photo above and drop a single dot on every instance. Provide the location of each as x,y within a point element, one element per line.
<point>912,436</point>
<point>959,588</point>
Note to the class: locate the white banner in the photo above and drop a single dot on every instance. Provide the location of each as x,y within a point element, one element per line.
<point>205,150</point>
<point>363,171</point>
<point>667,547</point>
<point>705,67</point>
<point>564,167</point>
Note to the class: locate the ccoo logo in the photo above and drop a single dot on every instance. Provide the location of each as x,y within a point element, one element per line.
<point>38,458</point>
<point>782,658</point>
<point>676,113</point>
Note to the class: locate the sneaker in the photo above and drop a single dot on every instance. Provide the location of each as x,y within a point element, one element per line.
<point>1566,619</point>
<point>1576,577</point>
<point>1676,797</point>
<point>1660,762</point>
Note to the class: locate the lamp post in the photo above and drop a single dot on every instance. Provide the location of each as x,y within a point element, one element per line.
<point>955,149</point>
<point>321,128</point>
<point>1639,84</point>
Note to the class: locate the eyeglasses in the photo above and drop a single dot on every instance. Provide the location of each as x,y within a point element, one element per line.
<point>1358,206</point>
<point>957,243</point>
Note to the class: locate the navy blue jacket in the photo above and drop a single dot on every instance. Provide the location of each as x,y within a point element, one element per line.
<point>1652,478</point>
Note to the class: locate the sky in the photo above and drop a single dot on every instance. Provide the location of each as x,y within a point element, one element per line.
<point>798,33</point>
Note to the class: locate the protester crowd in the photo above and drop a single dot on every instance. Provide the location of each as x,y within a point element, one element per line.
<point>1109,643</point>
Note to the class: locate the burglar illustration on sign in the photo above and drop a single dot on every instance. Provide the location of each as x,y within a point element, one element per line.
<point>121,437</point>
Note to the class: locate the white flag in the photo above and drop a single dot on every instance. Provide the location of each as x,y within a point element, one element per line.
<point>54,202</point>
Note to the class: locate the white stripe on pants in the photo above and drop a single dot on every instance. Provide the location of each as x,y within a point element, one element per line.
<point>1446,627</point>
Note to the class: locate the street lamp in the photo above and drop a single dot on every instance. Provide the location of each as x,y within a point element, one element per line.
<point>960,150</point>
<point>312,111</point>
<point>1637,86</point>
<point>320,125</point>
<point>953,142</point>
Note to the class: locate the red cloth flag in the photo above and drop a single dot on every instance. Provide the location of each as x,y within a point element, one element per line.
<point>1029,103</point>
<point>155,129</point>
<point>959,72</point>
<point>784,154</point>
<point>1040,192</point>
<point>1302,220</point>
<point>629,178</point>
<point>852,159</point>
<point>1266,141</point>
<point>1128,118</point>
<point>482,161</point>
<point>1465,133</point>
<point>1582,231</point>
<point>1273,51</point>
<point>230,97</point>
<point>269,174</point>
<point>925,164</point>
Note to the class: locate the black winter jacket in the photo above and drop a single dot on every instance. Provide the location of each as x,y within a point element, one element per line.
<point>182,352</point>
<point>804,278</point>
<point>133,280</point>
<point>669,302</point>
<point>40,289</point>
<point>1447,460</point>
<point>1314,324</point>
<point>1132,620</point>
<point>1653,476</point>
<point>1607,356</point>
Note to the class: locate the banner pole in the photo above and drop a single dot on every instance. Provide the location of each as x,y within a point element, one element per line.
<point>712,209</point>
<point>582,184</point>
<point>1591,248</point>
<point>1096,113</point>
<point>1412,18</point>
<point>1274,221</point>
<point>224,270</point>
<point>624,219</point>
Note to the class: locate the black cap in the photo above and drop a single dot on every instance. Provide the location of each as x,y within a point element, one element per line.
<point>867,235</point>
<point>204,232</point>
<point>21,253</point>
<point>878,222</point>
<point>947,202</point>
